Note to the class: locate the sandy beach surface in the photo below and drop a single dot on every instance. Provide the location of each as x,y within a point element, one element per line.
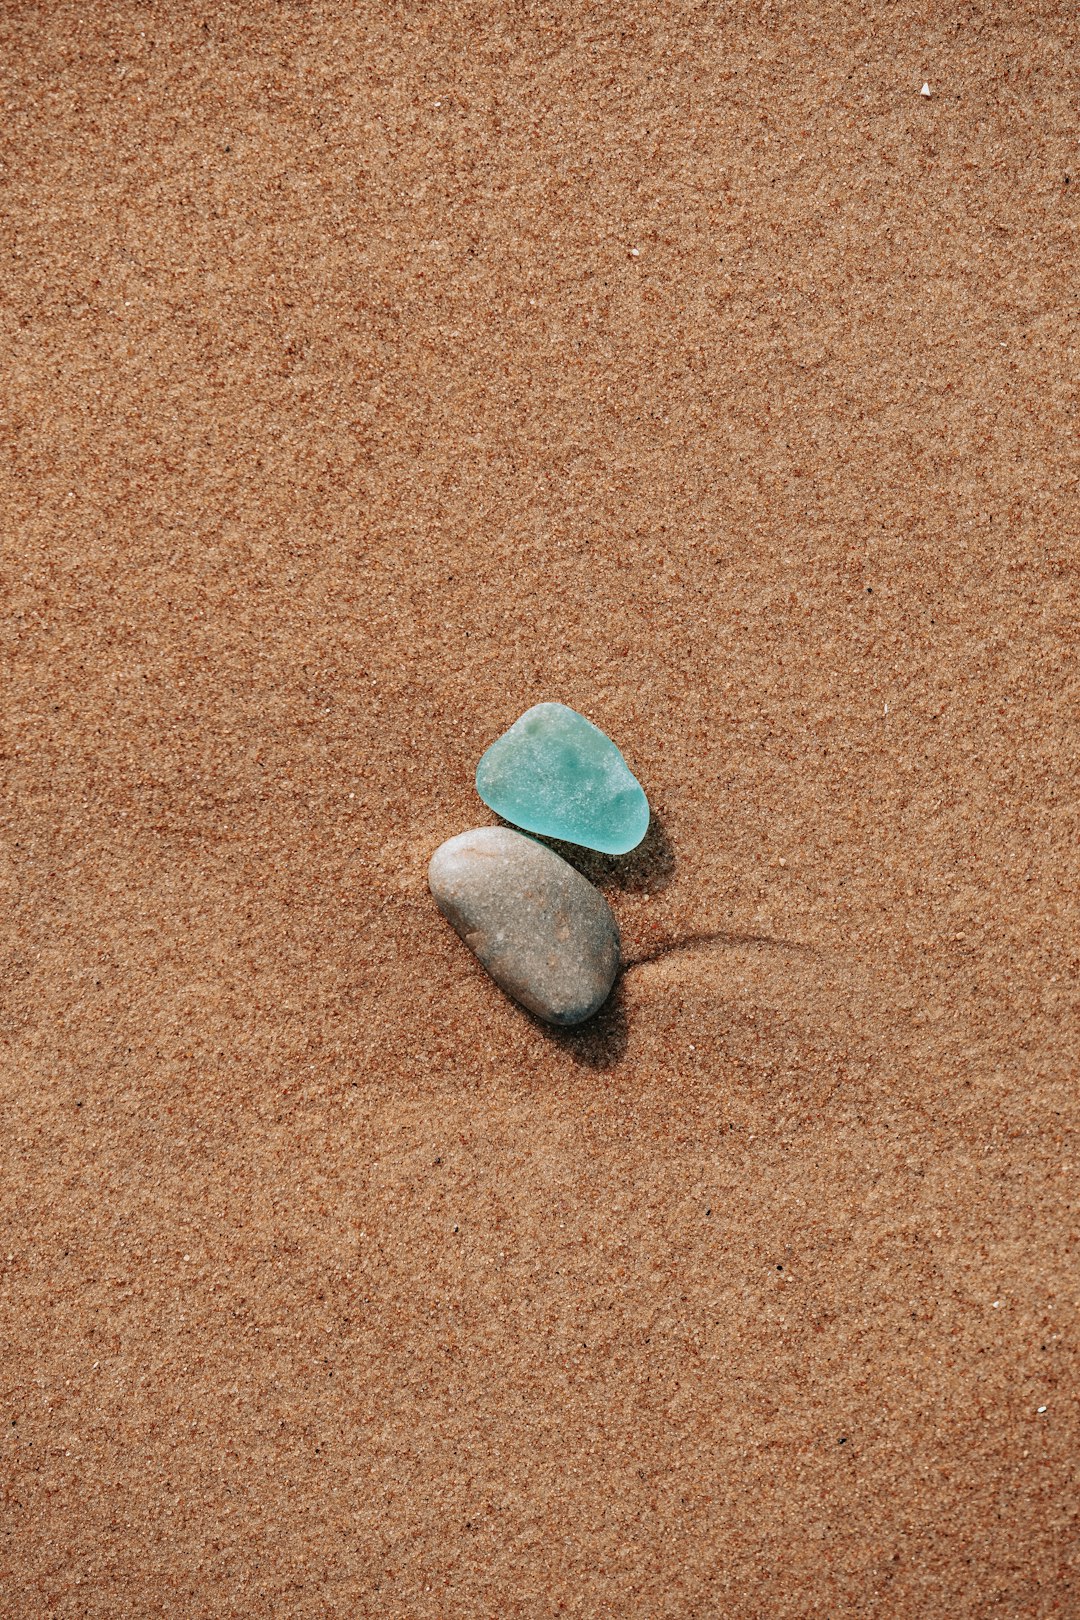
<point>368,374</point>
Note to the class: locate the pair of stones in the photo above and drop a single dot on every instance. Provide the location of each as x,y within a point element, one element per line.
<point>543,932</point>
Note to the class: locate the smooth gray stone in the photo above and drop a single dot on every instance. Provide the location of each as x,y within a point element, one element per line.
<point>545,935</point>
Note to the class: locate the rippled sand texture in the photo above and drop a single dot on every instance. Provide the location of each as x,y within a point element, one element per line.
<point>368,375</point>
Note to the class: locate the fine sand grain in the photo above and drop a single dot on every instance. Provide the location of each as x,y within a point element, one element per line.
<point>368,374</point>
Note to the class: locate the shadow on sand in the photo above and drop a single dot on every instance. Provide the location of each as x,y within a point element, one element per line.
<point>600,1042</point>
<point>645,870</point>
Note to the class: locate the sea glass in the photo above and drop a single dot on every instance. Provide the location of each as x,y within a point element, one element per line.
<point>556,774</point>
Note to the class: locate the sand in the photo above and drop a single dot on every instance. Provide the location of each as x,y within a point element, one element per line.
<point>367,375</point>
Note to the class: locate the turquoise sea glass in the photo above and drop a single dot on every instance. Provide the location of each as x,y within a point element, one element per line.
<point>557,774</point>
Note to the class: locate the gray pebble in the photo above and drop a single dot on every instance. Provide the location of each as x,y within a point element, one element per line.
<point>545,935</point>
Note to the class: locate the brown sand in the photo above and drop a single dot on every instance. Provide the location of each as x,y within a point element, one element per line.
<point>368,375</point>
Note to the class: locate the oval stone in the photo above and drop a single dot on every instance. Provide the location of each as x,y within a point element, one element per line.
<point>544,933</point>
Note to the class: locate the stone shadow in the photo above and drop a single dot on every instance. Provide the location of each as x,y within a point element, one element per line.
<point>599,1043</point>
<point>645,870</point>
